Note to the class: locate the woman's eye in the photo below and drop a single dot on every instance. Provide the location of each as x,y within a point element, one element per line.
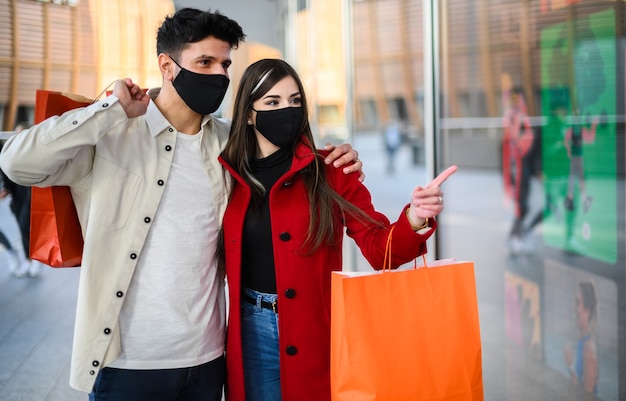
<point>296,100</point>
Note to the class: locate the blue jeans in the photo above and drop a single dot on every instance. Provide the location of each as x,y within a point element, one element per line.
<point>199,383</point>
<point>259,335</point>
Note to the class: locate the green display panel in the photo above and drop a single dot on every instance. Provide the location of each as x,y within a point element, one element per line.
<point>578,100</point>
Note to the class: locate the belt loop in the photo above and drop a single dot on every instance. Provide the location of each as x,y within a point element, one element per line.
<point>275,306</point>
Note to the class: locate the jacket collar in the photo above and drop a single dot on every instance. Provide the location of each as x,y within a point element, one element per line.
<point>157,123</point>
<point>301,158</point>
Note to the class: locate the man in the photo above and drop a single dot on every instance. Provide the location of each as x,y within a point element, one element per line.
<point>150,195</point>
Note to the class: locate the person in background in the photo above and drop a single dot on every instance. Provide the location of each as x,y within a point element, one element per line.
<point>393,140</point>
<point>20,206</point>
<point>12,254</point>
<point>150,195</point>
<point>282,238</point>
<point>584,368</point>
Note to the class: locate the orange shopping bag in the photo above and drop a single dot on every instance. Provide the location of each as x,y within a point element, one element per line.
<point>55,234</point>
<point>406,335</point>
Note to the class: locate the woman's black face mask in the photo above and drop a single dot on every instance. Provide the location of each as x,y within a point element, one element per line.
<point>281,127</point>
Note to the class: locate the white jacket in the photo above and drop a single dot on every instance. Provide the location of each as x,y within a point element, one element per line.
<point>117,169</point>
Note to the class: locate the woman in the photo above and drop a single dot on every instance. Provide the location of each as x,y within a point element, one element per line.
<point>282,238</point>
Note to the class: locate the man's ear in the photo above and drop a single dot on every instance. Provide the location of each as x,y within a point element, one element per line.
<point>167,67</point>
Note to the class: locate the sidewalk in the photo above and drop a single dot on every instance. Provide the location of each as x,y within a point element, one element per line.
<point>36,328</point>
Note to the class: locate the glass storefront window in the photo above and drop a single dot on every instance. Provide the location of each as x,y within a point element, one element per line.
<point>529,105</point>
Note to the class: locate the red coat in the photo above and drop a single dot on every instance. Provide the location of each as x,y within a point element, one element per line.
<point>303,281</point>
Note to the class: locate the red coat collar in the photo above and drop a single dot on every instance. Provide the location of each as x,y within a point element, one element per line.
<point>302,157</point>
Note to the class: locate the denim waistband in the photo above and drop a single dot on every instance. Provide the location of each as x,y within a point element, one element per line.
<point>260,299</point>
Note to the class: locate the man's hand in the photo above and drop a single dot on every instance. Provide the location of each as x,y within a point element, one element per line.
<point>133,99</point>
<point>342,155</point>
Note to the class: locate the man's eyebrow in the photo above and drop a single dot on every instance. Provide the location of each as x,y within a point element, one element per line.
<point>213,58</point>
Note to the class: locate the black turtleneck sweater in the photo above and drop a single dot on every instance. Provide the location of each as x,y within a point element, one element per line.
<point>257,270</point>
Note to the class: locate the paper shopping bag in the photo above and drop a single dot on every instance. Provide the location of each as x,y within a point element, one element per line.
<point>406,335</point>
<point>51,103</point>
<point>55,233</point>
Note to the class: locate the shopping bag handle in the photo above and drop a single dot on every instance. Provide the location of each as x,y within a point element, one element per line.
<point>104,91</point>
<point>387,258</point>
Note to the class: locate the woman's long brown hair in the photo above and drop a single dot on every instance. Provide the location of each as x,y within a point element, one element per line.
<point>241,148</point>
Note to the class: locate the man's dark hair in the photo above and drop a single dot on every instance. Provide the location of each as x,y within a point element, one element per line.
<point>190,25</point>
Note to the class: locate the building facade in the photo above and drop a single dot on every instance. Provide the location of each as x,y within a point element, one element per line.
<point>74,46</point>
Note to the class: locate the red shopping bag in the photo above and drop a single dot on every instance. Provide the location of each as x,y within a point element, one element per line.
<point>406,335</point>
<point>55,234</point>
